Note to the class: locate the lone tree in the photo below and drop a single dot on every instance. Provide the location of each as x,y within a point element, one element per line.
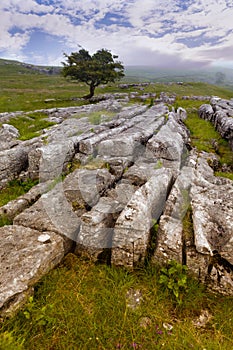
<point>100,68</point>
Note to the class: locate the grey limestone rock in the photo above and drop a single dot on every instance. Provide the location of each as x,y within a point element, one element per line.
<point>12,163</point>
<point>84,187</point>
<point>25,258</point>
<point>96,228</point>
<point>8,136</point>
<point>52,213</point>
<point>50,161</point>
<point>133,227</point>
<point>170,238</point>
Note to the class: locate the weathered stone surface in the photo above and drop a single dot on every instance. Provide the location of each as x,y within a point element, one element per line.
<point>24,260</point>
<point>8,136</point>
<point>126,170</point>
<point>213,226</point>
<point>166,144</point>
<point>133,227</point>
<point>129,143</point>
<point>207,250</point>
<point>88,146</point>
<point>122,192</point>
<point>140,172</point>
<point>96,229</point>
<point>53,213</point>
<point>170,240</point>
<point>95,236</point>
<point>84,187</point>
<point>12,162</point>
<point>50,162</point>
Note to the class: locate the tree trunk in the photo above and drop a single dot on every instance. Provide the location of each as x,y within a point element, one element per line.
<point>91,93</point>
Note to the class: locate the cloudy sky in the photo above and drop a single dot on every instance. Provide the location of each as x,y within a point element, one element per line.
<point>162,33</point>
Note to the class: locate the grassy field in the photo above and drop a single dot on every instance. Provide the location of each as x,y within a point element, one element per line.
<point>84,306</point>
<point>22,89</point>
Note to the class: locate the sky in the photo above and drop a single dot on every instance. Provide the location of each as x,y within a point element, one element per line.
<point>162,33</point>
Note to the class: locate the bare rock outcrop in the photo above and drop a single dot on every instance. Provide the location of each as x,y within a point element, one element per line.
<point>207,248</point>
<point>111,192</point>
<point>220,114</point>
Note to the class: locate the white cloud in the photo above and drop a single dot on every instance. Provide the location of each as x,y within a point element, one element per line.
<point>188,30</point>
<point>25,6</point>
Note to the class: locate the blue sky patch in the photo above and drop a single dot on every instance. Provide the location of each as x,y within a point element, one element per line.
<point>112,19</point>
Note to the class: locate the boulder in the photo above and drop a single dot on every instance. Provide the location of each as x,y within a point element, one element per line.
<point>167,144</point>
<point>50,161</point>
<point>83,187</point>
<point>8,136</point>
<point>205,246</point>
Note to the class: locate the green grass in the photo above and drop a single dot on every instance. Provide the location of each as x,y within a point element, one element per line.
<point>25,90</point>
<point>83,306</point>
<point>223,174</point>
<point>30,125</point>
<point>203,136</point>
<point>5,221</point>
<point>15,189</point>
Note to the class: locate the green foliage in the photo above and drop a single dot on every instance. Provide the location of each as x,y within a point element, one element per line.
<point>174,278</point>
<point>14,189</point>
<point>31,125</point>
<point>100,68</point>
<point>41,316</point>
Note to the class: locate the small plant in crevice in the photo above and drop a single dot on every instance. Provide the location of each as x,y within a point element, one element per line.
<point>173,278</point>
<point>40,315</point>
<point>159,164</point>
<point>153,242</point>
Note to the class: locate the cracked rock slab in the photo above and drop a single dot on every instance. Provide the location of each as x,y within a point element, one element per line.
<point>132,231</point>
<point>25,258</point>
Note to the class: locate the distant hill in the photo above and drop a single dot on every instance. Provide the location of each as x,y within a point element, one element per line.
<point>15,67</point>
<point>217,75</point>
